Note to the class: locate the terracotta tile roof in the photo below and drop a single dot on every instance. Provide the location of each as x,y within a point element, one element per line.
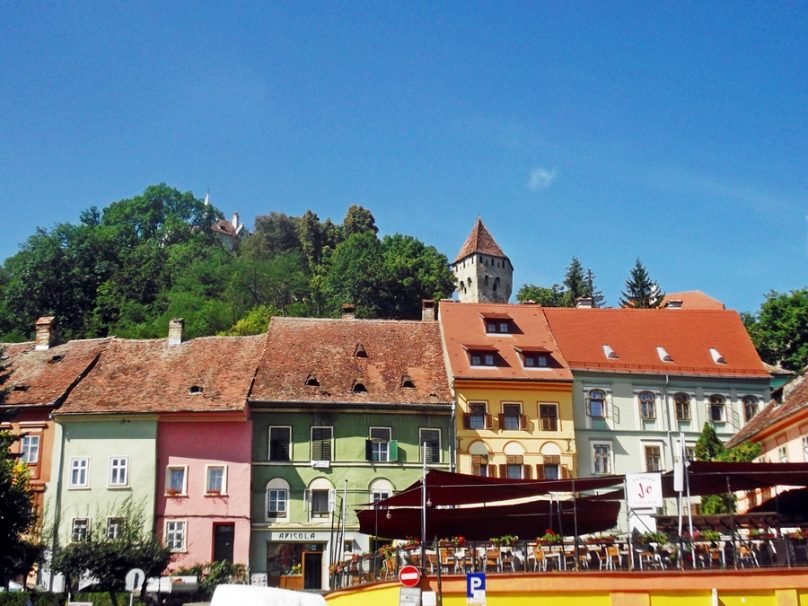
<point>326,351</point>
<point>479,241</point>
<point>464,330</point>
<point>795,403</point>
<point>149,376</point>
<point>635,334</point>
<point>693,299</point>
<point>43,378</point>
<point>223,226</point>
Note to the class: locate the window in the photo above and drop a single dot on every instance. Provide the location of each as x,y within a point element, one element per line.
<point>750,407</point>
<point>536,360</point>
<point>321,438</point>
<point>653,458</point>
<point>690,453</point>
<point>498,326</point>
<point>477,417</point>
<point>513,471</point>
<point>548,417</point>
<point>717,408</point>
<point>430,438</point>
<point>118,471</point>
<point>601,457</point>
<point>80,530</point>
<point>481,358</point>
<point>79,472</point>
<point>379,495</point>
<point>551,468</point>
<point>114,528</point>
<point>596,404</point>
<point>321,502</point>
<point>682,404</point>
<point>175,535</point>
<point>380,448</point>
<point>511,417</point>
<point>805,448</point>
<point>175,480</point>
<point>782,454</point>
<point>647,406</point>
<point>277,499</point>
<point>279,440</point>
<point>479,465</point>
<point>216,479</point>
<point>29,449</point>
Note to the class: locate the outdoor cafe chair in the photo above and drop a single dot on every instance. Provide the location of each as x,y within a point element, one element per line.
<point>539,561</point>
<point>493,559</point>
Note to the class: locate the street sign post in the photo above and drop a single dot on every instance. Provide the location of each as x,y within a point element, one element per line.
<point>475,588</point>
<point>409,576</point>
<point>134,581</point>
<point>644,490</point>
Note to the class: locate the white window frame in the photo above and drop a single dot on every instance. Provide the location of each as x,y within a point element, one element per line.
<point>86,535</point>
<point>331,442</point>
<point>518,414</point>
<point>690,399</point>
<point>386,443</point>
<point>173,530</point>
<point>661,448</point>
<point>604,400</point>
<point>184,490</point>
<point>269,444</point>
<point>30,443</point>
<point>710,405</point>
<point>804,440</point>
<point>471,416</point>
<point>541,418</point>
<point>652,402</point>
<point>82,470</point>
<point>782,453</point>
<point>610,460</point>
<point>116,523</point>
<point>113,468</point>
<point>747,400</point>
<point>210,466</point>
<point>281,487</point>
<point>320,516</point>
<point>421,431</point>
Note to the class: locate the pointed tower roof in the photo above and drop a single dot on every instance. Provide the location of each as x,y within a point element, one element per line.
<point>480,241</point>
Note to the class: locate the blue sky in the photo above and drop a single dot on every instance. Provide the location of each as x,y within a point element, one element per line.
<point>672,131</point>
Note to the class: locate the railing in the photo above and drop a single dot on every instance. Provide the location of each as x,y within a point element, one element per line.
<point>585,555</point>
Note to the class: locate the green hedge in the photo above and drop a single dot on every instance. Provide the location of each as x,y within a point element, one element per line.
<point>20,598</point>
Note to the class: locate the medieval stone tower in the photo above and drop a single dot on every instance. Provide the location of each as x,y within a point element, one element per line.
<point>483,273</point>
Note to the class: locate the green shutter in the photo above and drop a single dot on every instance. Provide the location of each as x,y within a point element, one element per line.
<point>393,451</point>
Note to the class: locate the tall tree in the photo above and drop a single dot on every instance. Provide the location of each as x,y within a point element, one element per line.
<point>547,297</point>
<point>16,513</point>
<point>590,290</point>
<point>575,282</point>
<point>358,220</point>
<point>275,233</point>
<point>641,291</point>
<point>354,276</point>
<point>780,329</point>
<point>310,234</point>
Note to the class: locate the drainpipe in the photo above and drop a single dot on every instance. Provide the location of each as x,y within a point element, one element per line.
<point>453,438</point>
<point>57,514</point>
<point>670,446</point>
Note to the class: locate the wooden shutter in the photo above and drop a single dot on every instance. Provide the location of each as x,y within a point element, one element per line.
<point>526,472</point>
<point>523,422</point>
<point>393,450</point>
<point>552,459</point>
<point>489,423</point>
<point>466,421</point>
<point>476,461</point>
<point>565,472</point>
<point>539,471</point>
<point>503,471</point>
<point>492,471</point>
<point>501,420</point>
<point>369,450</point>
<point>514,459</point>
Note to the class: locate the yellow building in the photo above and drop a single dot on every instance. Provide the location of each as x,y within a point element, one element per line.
<point>513,391</point>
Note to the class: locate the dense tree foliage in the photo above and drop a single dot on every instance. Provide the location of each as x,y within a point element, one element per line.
<point>641,291</point>
<point>578,282</point>
<point>780,329</point>
<point>131,267</point>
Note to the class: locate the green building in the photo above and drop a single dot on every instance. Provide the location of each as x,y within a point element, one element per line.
<point>341,412</point>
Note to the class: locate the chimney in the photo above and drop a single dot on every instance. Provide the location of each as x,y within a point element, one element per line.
<point>45,334</point>
<point>583,302</point>
<point>428,310</point>
<point>235,221</point>
<point>348,311</point>
<point>175,327</point>
<point>674,304</point>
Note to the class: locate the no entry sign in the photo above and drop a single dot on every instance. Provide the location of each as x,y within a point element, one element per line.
<point>409,576</point>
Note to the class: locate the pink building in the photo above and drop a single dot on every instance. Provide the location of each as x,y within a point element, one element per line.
<point>781,428</point>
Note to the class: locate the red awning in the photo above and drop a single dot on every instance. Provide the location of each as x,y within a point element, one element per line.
<point>707,477</point>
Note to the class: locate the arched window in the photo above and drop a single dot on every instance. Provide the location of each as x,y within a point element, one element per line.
<point>277,500</point>
<point>596,404</point>
<point>682,403</point>
<point>750,408</point>
<point>380,489</point>
<point>320,498</point>
<point>717,408</point>
<point>647,406</point>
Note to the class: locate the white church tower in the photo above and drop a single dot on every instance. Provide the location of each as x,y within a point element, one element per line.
<point>482,271</point>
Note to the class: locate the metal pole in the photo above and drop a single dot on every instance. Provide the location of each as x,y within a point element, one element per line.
<point>423,509</point>
<point>628,526</point>
<point>575,522</point>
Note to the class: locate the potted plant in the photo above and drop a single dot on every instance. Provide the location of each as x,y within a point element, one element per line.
<point>550,537</point>
<point>660,538</point>
<point>172,492</point>
<point>293,579</point>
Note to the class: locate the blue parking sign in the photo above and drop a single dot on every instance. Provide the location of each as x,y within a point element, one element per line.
<point>475,585</point>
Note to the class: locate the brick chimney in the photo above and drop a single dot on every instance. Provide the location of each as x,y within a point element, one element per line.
<point>45,333</point>
<point>175,327</point>
<point>428,310</point>
<point>348,311</point>
<point>583,302</point>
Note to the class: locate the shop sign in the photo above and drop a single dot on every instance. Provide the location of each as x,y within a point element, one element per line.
<point>293,535</point>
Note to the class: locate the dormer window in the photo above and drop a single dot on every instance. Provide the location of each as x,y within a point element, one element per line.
<point>716,356</point>
<point>610,353</point>
<point>482,355</point>
<point>20,387</point>
<point>407,382</point>
<point>360,352</point>
<point>359,387</point>
<point>56,358</point>
<point>312,381</point>
<point>534,358</point>
<point>195,389</point>
<point>664,356</point>
<point>498,324</point>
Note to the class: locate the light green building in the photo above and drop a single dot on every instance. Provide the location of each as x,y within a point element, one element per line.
<point>340,409</point>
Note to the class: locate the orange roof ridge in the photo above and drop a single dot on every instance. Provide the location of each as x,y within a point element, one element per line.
<point>480,240</point>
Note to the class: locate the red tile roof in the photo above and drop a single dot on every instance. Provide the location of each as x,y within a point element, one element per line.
<point>795,403</point>
<point>223,226</point>
<point>634,335</point>
<point>149,376</point>
<point>326,350</point>
<point>43,378</point>
<point>693,299</point>
<point>463,329</point>
<point>479,241</point>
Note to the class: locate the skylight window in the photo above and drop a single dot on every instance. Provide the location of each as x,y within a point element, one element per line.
<point>610,353</point>
<point>360,352</point>
<point>57,358</point>
<point>359,387</point>
<point>407,382</point>
<point>664,356</point>
<point>195,389</point>
<point>312,381</point>
<point>716,356</point>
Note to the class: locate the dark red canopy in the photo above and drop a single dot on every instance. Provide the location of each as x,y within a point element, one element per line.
<point>716,478</point>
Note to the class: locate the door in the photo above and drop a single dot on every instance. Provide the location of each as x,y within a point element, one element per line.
<point>223,535</point>
<point>312,570</point>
